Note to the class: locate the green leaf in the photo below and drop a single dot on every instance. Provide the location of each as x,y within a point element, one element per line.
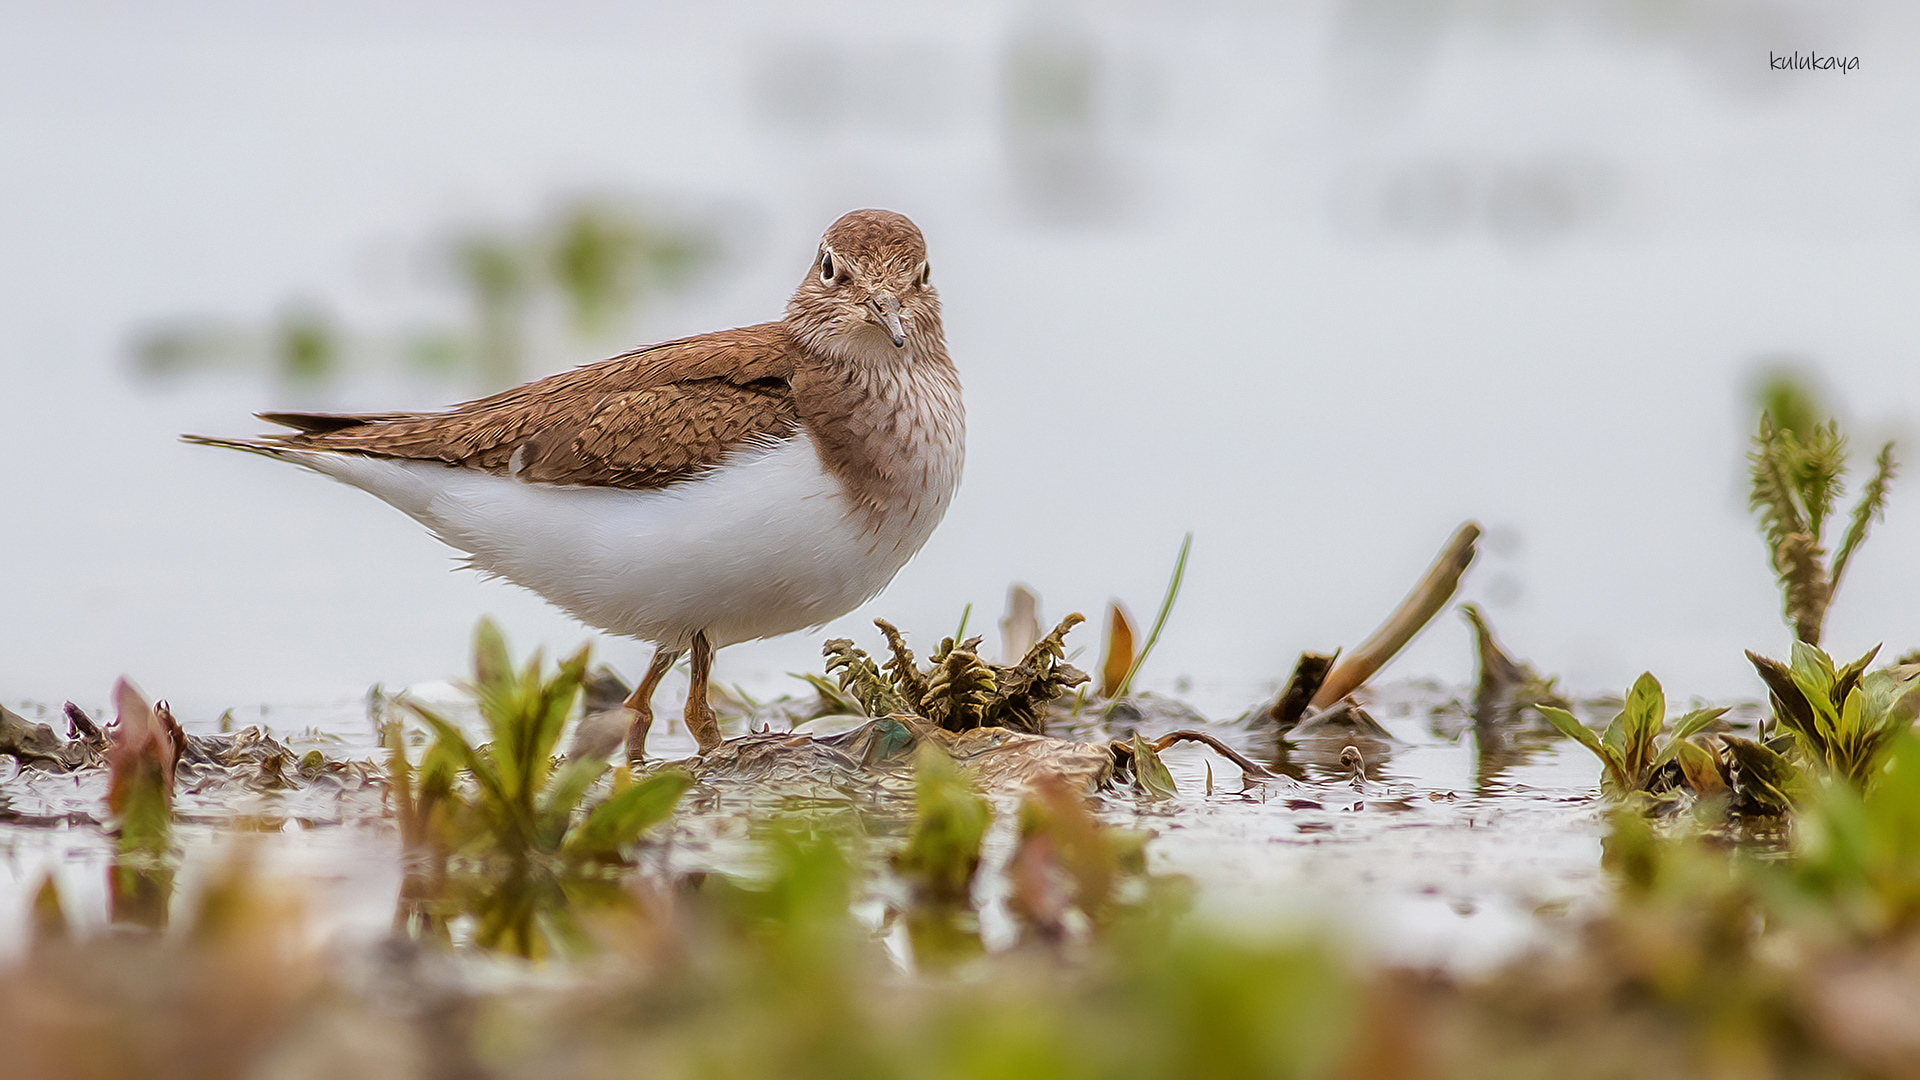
<point>1701,769</point>
<point>621,819</point>
<point>1791,707</point>
<point>1873,504</point>
<point>1849,727</point>
<point>1645,714</point>
<point>1812,670</point>
<point>1569,725</point>
<point>1695,722</point>
<point>1848,677</point>
<point>1686,728</point>
<point>1159,621</point>
<point>557,804</point>
<point>1772,489</point>
<point>1614,738</point>
<point>837,701</point>
<point>1155,781</point>
<point>1820,463</point>
<point>1893,700</point>
<point>457,747</point>
<point>1763,775</point>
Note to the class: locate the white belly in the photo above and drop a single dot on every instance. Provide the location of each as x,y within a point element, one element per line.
<point>765,544</point>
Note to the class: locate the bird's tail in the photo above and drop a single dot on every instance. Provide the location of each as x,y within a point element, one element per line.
<point>251,446</point>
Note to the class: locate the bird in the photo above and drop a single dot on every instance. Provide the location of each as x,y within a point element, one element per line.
<point>701,492</point>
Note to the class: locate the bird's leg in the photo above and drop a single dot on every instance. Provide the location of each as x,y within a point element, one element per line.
<point>641,702</point>
<point>700,721</point>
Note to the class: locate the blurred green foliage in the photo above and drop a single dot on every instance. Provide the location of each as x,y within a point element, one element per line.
<point>587,268</point>
<point>940,860</point>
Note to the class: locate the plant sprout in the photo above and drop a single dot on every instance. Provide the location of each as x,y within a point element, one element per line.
<point>1798,464</point>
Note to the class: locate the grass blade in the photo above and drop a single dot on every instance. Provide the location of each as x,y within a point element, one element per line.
<point>1159,622</point>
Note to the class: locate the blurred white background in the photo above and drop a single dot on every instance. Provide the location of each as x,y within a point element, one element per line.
<point>1316,281</point>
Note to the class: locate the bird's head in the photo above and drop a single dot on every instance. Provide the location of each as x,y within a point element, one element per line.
<point>868,294</point>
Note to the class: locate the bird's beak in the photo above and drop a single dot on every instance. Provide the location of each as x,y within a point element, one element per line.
<point>886,308</point>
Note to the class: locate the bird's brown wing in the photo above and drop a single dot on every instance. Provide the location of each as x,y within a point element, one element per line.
<point>641,420</point>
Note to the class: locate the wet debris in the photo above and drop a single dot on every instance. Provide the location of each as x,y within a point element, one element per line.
<point>35,744</point>
<point>148,736</point>
<point>873,765</point>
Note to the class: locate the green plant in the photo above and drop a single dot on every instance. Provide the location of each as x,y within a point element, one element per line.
<point>1798,465</point>
<point>1840,719</point>
<point>1629,750</point>
<point>522,842</point>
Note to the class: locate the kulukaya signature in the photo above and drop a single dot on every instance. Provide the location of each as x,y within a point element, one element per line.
<point>1798,61</point>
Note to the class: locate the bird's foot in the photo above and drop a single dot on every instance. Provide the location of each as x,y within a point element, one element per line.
<point>705,729</point>
<point>637,729</point>
<point>700,722</point>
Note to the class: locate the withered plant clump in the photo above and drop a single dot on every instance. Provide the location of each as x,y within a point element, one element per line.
<point>958,690</point>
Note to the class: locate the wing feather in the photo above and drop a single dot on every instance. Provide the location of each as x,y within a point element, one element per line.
<point>641,420</point>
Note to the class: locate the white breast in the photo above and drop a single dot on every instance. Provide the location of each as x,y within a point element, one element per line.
<point>764,544</point>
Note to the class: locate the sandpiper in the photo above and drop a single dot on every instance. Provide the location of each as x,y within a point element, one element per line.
<point>716,489</point>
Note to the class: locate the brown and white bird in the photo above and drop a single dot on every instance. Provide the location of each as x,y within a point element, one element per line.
<point>716,489</point>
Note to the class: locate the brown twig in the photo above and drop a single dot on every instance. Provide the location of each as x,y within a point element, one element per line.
<point>1413,614</point>
<point>1247,765</point>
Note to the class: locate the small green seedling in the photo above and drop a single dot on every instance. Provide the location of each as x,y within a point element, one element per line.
<point>522,841</point>
<point>1629,749</point>
<point>1840,718</point>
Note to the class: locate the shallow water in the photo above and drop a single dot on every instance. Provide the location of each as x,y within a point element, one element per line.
<point>1438,854</point>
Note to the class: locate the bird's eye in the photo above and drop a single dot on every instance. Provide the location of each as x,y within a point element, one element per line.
<point>926,274</point>
<point>826,268</point>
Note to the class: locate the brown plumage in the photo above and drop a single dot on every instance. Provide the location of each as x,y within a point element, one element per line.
<point>641,420</point>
